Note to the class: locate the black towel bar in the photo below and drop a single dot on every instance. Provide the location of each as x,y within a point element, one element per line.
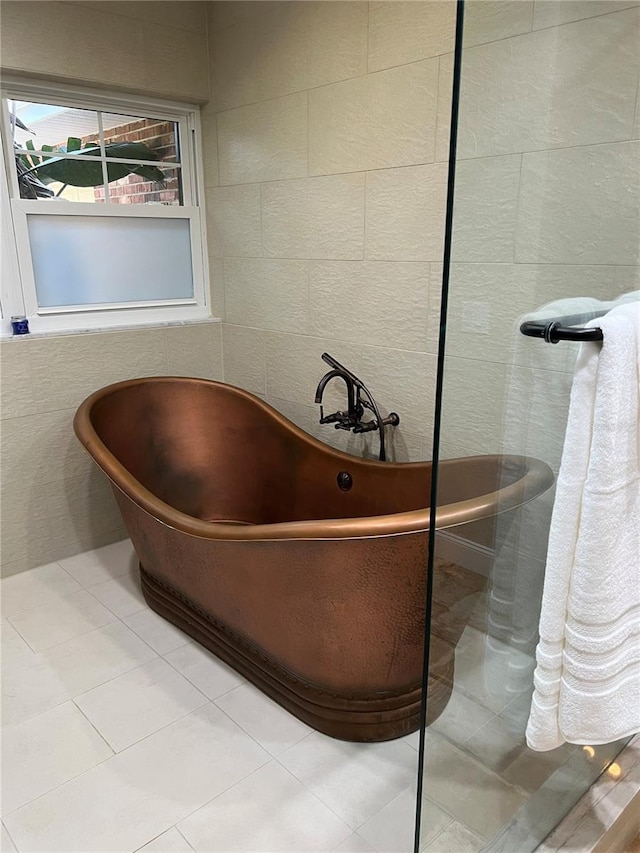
<point>553,331</point>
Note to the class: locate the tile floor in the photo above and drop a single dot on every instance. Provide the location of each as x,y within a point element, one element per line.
<point>121,734</point>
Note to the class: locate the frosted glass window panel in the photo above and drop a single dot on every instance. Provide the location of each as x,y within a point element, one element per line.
<point>96,260</point>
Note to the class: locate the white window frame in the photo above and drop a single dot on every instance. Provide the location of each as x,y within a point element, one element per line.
<point>18,291</point>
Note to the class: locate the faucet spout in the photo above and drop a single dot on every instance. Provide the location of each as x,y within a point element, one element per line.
<point>351,391</point>
<point>352,418</point>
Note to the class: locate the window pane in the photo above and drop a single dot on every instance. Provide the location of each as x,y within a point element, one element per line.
<point>51,125</point>
<point>147,138</point>
<point>104,259</point>
<point>57,177</point>
<point>136,188</point>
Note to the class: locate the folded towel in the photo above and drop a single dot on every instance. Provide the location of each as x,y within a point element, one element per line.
<point>587,680</point>
<point>531,427</point>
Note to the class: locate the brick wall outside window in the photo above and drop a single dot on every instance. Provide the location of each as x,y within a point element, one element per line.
<point>135,189</point>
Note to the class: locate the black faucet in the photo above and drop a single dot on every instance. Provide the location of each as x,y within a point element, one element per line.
<point>351,419</point>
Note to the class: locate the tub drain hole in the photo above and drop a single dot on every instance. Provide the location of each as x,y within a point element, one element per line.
<point>345,481</point>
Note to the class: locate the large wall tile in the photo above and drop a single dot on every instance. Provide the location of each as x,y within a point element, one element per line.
<point>293,366</point>
<point>627,279</point>
<point>227,13</point>
<point>487,301</point>
<point>244,358</point>
<point>16,393</point>
<point>443,123</point>
<point>175,61</point>
<point>182,15</point>
<point>401,380</point>
<point>232,65</point>
<point>216,286</point>
<point>105,49</point>
<point>580,205</point>
<point>303,45</point>
<point>314,218</point>
<point>26,529</point>
<point>492,20</point>
<point>264,142</point>
<point>405,213</point>
<point>41,448</point>
<point>267,294</point>
<point>194,350</point>
<point>472,407</point>
<point>384,302</point>
<point>68,369</point>
<point>83,515</point>
<point>485,209</point>
<point>233,221</point>
<point>374,122</point>
<point>552,13</point>
<point>402,32</point>
<point>580,84</point>
<point>209,130</point>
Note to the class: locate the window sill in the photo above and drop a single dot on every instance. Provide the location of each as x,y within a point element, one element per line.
<point>97,330</point>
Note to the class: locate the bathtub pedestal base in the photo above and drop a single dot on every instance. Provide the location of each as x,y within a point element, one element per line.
<point>356,717</point>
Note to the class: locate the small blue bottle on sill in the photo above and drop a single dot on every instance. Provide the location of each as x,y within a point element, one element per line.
<point>20,324</point>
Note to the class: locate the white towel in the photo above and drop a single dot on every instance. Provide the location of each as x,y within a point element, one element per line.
<point>587,680</point>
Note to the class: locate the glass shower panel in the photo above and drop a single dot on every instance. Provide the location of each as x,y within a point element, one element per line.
<point>546,223</point>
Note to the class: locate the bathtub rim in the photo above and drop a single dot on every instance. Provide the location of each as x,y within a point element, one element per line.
<point>363,527</point>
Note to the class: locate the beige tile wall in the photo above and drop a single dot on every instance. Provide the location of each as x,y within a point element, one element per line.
<point>54,501</point>
<point>156,48</point>
<point>344,251</point>
<point>326,208</point>
<point>547,207</point>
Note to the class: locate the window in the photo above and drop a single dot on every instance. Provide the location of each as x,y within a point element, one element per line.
<point>101,221</point>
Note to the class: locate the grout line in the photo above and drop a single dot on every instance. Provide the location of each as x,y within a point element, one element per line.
<point>175,826</point>
<point>11,839</point>
<point>434,163</point>
<point>423,59</point>
<point>97,730</point>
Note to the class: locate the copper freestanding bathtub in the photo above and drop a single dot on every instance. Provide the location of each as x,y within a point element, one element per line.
<point>249,541</point>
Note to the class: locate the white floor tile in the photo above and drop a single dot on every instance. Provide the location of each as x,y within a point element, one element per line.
<point>121,595</point>
<point>470,672</point>
<point>133,706</point>
<point>269,811</point>
<point>354,779</point>
<point>456,838</point>
<point>274,728</point>
<point>355,844</point>
<point>30,686</point>
<point>412,740</point>
<point>6,844</point>
<point>96,657</point>
<point>203,669</point>
<point>432,820</point>
<point>128,800</point>
<point>157,632</point>
<point>47,751</point>
<point>467,790</point>
<point>103,564</point>
<point>35,588</point>
<point>14,648</point>
<point>461,718</point>
<point>392,829</point>
<point>61,619</point>
<point>170,841</point>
